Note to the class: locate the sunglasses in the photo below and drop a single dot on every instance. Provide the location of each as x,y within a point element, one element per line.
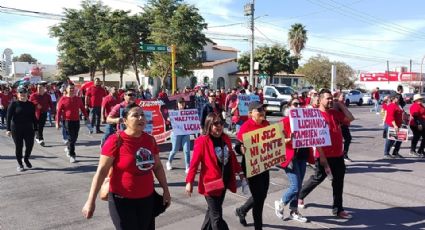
<point>217,123</point>
<point>295,104</point>
<point>130,94</point>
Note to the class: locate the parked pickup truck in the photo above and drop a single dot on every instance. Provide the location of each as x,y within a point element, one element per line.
<point>276,97</point>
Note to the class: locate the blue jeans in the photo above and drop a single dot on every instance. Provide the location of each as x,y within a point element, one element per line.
<point>238,125</point>
<point>376,107</point>
<point>295,176</point>
<point>109,130</point>
<point>177,141</point>
<point>51,113</point>
<point>390,143</point>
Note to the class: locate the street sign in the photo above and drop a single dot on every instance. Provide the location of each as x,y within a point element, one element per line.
<point>154,48</point>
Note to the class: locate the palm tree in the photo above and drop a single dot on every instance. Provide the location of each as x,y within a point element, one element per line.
<point>297,37</point>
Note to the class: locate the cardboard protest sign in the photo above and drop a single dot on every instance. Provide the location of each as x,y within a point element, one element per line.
<point>402,134</point>
<point>265,148</point>
<point>309,128</point>
<point>244,101</point>
<point>149,122</point>
<point>158,122</point>
<point>185,122</point>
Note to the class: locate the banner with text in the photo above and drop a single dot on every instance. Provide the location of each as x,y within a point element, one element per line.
<point>185,122</point>
<point>158,123</point>
<point>149,122</point>
<point>244,101</point>
<point>265,148</point>
<point>309,128</point>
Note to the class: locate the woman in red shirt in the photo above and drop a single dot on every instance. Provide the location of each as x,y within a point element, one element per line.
<point>295,167</point>
<point>393,118</point>
<point>131,191</point>
<point>416,123</point>
<point>214,152</point>
<point>68,110</point>
<point>258,184</point>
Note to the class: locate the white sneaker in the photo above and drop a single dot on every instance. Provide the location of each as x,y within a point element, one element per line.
<point>72,160</point>
<point>168,165</point>
<point>278,209</point>
<point>65,141</point>
<point>295,215</point>
<point>37,140</point>
<point>67,151</point>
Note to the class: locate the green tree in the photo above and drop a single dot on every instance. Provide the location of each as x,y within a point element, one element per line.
<point>317,72</point>
<point>271,59</point>
<point>297,37</point>
<point>79,35</point>
<point>25,58</point>
<point>173,22</point>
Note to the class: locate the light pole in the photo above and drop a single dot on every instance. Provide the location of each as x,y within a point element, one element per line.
<point>249,11</point>
<point>420,76</point>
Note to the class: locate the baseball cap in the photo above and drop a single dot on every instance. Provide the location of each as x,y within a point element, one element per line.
<point>22,90</point>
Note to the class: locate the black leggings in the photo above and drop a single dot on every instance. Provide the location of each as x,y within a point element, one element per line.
<point>20,135</point>
<point>416,136</point>
<point>214,216</point>
<point>72,128</point>
<point>259,185</point>
<point>131,214</point>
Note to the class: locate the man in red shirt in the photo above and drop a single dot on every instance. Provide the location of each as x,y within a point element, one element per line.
<point>5,98</point>
<point>108,103</point>
<point>375,98</point>
<point>228,105</point>
<point>394,119</point>
<point>115,116</point>
<point>42,102</point>
<point>331,160</point>
<point>93,101</point>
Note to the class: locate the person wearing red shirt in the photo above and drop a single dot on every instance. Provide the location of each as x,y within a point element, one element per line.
<point>108,103</point>
<point>416,123</point>
<point>258,184</point>
<point>394,119</point>
<point>331,158</point>
<point>68,109</point>
<point>295,167</point>
<point>213,151</point>
<point>133,162</point>
<point>43,103</point>
<point>5,98</point>
<point>228,105</point>
<point>345,126</point>
<point>375,99</point>
<point>115,116</point>
<point>93,101</point>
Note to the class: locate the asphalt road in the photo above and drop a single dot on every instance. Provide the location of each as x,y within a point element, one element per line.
<point>380,194</point>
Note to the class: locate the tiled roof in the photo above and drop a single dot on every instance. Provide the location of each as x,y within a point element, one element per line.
<point>282,73</point>
<point>209,64</point>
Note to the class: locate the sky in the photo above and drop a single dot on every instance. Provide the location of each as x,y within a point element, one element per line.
<point>362,33</point>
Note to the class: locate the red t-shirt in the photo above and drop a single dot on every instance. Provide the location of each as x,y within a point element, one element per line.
<point>394,113</point>
<point>69,108</point>
<point>108,103</point>
<point>417,112</point>
<point>96,94</point>
<point>44,100</point>
<point>249,126</point>
<point>384,106</point>
<point>127,179</point>
<point>6,99</point>
<point>334,119</point>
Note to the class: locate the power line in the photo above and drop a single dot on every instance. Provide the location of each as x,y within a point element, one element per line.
<point>227,25</point>
<point>366,18</point>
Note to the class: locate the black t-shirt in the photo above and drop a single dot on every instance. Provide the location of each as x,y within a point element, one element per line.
<point>222,153</point>
<point>21,114</point>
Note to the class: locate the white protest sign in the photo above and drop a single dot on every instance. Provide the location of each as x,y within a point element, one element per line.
<point>185,122</point>
<point>244,101</point>
<point>402,135</point>
<point>309,128</point>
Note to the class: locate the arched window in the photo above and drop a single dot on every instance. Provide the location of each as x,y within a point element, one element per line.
<point>206,79</point>
<point>221,83</point>
<point>193,82</point>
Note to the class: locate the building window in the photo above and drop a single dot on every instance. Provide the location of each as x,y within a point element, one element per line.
<point>295,82</point>
<point>276,80</point>
<point>150,81</point>
<point>206,80</point>
<point>286,81</point>
<point>193,82</point>
<point>221,83</point>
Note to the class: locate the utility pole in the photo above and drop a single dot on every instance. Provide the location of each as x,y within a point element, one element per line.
<point>249,11</point>
<point>388,71</point>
